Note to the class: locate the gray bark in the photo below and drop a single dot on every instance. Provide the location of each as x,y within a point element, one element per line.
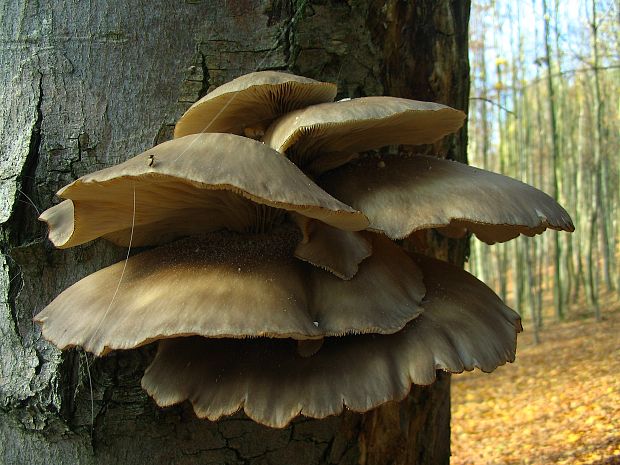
<point>89,84</point>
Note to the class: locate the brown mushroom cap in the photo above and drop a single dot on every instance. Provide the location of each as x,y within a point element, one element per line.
<point>252,101</point>
<point>195,184</point>
<point>324,136</point>
<point>230,285</point>
<point>464,325</point>
<point>330,248</point>
<point>403,195</point>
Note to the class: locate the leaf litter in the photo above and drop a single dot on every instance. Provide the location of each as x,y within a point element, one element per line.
<point>559,403</point>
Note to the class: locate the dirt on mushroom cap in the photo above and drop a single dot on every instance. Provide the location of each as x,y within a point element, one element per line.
<point>204,286</point>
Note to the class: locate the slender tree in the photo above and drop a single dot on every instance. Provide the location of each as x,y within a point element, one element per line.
<point>555,160</point>
<point>600,161</point>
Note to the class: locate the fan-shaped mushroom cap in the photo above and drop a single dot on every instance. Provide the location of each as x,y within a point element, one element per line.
<point>216,180</point>
<point>230,285</point>
<point>464,325</point>
<point>403,195</point>
<point>248,104</point>
<point>331,248</point>
<point>323,137</point>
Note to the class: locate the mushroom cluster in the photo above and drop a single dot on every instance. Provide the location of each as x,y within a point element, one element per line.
<point>273,281</point>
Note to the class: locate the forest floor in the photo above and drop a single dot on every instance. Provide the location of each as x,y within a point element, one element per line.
<point>559,403</point>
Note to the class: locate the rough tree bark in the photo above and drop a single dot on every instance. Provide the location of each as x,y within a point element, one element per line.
<point>89,84</point>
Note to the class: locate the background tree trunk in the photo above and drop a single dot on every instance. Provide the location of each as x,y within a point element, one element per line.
<point>89,84</point>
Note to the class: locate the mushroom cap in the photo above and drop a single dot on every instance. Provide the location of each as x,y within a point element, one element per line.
<point>401,195</point>
<point>464,325</point>
<point>216,180</point>
<point>232,285</point>
<point>324,136</point>
<point>252,100</point>
<point>331,248</point>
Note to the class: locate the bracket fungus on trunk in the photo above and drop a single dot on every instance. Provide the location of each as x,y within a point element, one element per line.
<point>248,104</point>
<point>271,294</point>
<point>401,195</point>
<point>325,136</point>
<point>217,180</point>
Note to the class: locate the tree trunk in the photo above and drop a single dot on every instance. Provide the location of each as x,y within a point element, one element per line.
<point>90,84</point>
<point>558,292</point>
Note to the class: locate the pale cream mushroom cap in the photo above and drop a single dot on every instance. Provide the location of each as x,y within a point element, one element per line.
<point>464,325</point>
<point>232,285</point>
<point>195,184</point>
<point>401,195</point>
<point>248,104</point>
<point>322,137</point>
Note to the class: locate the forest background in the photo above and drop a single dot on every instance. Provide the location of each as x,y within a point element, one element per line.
<point>545,97</point>
<point>544,104</point>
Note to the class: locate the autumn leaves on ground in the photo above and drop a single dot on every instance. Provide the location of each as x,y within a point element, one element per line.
<point>559,403</point>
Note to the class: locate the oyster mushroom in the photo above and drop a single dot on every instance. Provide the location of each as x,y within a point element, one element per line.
<point>408,194</point>
<point>324,136</point>
<point>464,325</point>
<point>217,180</point>
<point>230,285</point>
<point>275,300</point>
<point>248,104</point>
<point>202,285</point>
